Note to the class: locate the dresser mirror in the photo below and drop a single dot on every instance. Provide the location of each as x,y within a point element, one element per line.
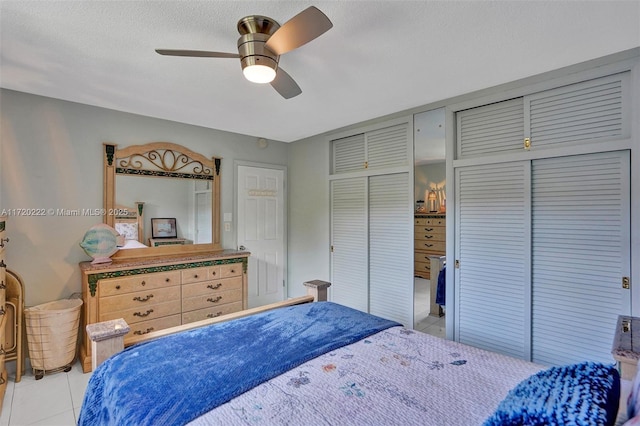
<point>161,180</point>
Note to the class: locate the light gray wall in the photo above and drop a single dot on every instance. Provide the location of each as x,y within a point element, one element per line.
<point>308,234</point>
<point>51,157</point>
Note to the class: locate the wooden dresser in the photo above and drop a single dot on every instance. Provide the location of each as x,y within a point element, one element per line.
<point>3,320</point>
<point>429,240</point>
<point>156,293</point>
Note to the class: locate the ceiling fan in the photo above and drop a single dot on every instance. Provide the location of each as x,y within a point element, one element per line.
<point>262,41</point>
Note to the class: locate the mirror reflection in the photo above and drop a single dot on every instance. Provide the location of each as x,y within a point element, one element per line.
<point>429,221</point>
<point>162,199</point>
<point>186,200</point>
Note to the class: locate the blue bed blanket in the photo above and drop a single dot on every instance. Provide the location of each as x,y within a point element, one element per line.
<point>175,379</point>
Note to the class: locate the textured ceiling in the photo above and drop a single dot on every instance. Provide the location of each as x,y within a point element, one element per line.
<point>379,58</point>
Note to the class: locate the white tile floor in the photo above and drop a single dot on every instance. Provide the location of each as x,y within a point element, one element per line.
<point>422,320</point>
<point>55,400</point>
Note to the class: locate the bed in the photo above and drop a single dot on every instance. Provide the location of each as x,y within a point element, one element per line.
<point>326,364</point>
<point>129,223</point>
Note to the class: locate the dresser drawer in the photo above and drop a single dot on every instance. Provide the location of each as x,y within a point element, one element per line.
<point>194,275</point>
<point>211,273</point>
<point>422,269</point>
<point>144,313</point>
<point>115,286</point>
<point>230,270</point>
<point>422,221</point>
<point>212,312</point>
<point>429,236</point>
<point>145,327</point>
<point>430,229</point>
<point>213,299</point>
<point>138,299</point>
<point>210,287</point>
<point>430,246</point>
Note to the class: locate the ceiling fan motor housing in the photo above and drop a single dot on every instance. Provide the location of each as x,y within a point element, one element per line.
<point>254,33</point>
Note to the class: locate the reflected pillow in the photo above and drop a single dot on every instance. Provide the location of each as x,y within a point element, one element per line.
<point>128,230</point>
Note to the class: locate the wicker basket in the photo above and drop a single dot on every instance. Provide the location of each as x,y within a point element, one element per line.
<point>52,334</point>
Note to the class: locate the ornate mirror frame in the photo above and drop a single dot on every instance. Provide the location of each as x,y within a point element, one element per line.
<point>160,159</point>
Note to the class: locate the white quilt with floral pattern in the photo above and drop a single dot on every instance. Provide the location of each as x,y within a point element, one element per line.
<point>395,377</point>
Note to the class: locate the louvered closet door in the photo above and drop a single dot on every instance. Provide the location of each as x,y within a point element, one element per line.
<point>580,252</point>
<point>581,113</point>
<point>348,154</point>
<point>490,129</point>
<point>391,248</point>
<point>349,239</point>
<point>492,245</point>
<point>388,147</point>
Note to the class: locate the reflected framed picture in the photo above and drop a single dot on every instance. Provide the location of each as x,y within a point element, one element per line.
<point>164,227</point>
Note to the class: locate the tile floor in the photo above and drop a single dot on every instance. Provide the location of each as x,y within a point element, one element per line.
<point>422,320</point>
<point>55,400</point>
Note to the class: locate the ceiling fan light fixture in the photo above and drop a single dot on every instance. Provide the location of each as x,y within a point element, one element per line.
<point>259,73</point>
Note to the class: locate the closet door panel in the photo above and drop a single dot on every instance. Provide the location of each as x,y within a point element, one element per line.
<point>490,129</point>
<point>585,112</point>
<point>388,147</point>
<point>348,154</point>
<point>492,246</point>
<point>349,240</point>
<point>580,252</point>
<point>391,248</point>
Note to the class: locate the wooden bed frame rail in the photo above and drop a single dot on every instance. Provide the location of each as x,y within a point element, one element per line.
<point>107,338</point>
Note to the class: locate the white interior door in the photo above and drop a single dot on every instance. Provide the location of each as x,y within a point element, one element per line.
<point>261,231</point>
<point>202,213</point>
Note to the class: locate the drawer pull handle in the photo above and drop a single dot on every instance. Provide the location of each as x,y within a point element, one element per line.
<point>2,351</point>
<point>428,229</point>
<point>143,299</point>
<point>428,236</point>
<point>216,300</point>
<point>233,271</point>
<point>195,276</point>
<point>213,272</point>
<point>143,283</point>
<point>2,264</point>
<point>140,314</point>
<point>2,285</point>
<point>117,287</point>
<point>217,314</point>
<point>140,333</point>
<point>214,287</point>
<point>428,245</point>
<point>2,241</point>
<point>167,280</point>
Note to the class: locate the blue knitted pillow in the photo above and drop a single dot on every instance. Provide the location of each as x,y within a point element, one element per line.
<point>578,394</point>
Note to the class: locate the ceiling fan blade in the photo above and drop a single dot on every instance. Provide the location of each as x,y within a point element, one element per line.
<point>197,53</point>
<point>299,30</point>
<point>285,85</point>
